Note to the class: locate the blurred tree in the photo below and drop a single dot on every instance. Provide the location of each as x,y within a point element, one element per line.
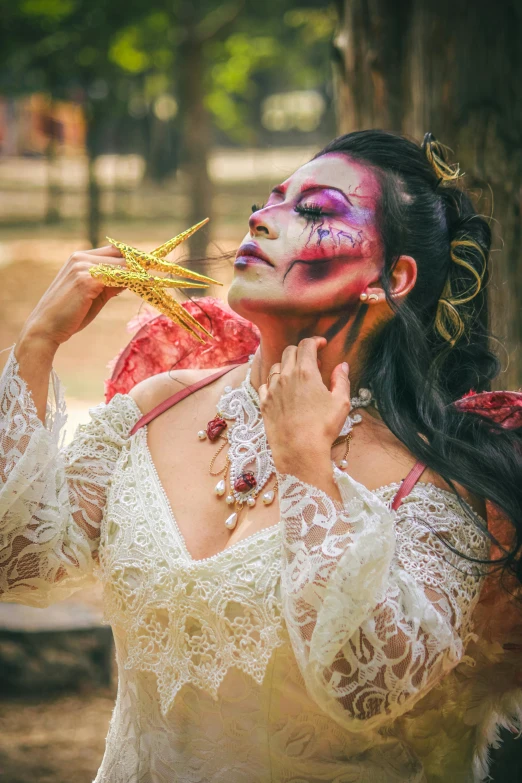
<point>62,48</point>
<point>210,61</point>
<point>174,75</point>
<point>53,132</point>
<point>454,69</point>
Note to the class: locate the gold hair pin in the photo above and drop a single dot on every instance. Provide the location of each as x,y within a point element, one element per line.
<point>435,153</point>
<point>136,279</point>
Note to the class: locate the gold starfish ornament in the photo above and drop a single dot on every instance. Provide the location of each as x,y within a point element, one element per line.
<point>136,279</point>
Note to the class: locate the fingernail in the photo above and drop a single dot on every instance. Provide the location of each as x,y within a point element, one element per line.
<point>345,367</point>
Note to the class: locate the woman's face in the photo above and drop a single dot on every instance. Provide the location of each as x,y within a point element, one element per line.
<point>318,234</point>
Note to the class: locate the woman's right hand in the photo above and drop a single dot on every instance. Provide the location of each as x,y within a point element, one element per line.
<point>73,299</point>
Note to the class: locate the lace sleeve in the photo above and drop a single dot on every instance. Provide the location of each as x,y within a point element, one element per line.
<point>377,607</point>
<point>52,498</point>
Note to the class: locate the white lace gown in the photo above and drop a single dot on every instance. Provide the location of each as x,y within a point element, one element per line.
<point>330,647</point>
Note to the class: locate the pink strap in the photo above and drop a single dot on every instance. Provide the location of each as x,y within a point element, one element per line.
<point>180,395</point>
<point>408,484</point>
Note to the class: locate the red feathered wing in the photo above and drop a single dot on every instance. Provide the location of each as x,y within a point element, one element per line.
<point>502,407</point>
<point>160,345</point>
<point>497,617</point>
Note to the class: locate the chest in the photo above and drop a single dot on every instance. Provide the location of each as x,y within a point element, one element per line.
<point>187,620</point>
<point>188,470</point>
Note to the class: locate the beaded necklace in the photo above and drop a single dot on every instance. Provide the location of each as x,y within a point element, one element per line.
<point>249,464</point>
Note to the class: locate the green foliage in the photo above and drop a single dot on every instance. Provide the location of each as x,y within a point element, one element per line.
<point>316,24</point>
<point>268,54</point>
<point>232,65</point>
<point>120,58</point>
<point>55,9</point>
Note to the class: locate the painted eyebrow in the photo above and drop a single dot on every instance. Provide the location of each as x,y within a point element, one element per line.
<point>281,191</point>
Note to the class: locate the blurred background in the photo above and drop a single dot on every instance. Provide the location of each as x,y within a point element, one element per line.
<point>137,119</point>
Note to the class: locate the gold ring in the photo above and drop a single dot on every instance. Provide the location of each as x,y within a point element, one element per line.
<point>274,372</point>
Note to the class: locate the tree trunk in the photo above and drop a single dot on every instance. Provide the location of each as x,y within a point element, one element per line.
<point>196,143</point>
<point>92,143</point>
<point>54,189</point>
<point>53,131</point>
<point>454,69</point>
<point>93,204</point>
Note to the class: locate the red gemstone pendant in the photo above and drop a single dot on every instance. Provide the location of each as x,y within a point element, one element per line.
<point>245,482</point>
<point>215,427</point>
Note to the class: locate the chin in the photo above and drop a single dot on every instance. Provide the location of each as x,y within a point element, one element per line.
<point>244,302</point>
<point>261,310</point>
<point>247,297</point>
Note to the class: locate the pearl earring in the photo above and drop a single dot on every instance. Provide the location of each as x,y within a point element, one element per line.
<point>363,297</point>
<point>373,298</point>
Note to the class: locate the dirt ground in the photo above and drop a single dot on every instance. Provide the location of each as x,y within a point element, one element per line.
<point>60,740</point>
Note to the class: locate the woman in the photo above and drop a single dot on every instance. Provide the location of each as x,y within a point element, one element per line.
<point>332,631</point>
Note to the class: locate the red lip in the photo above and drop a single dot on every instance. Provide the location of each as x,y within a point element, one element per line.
<point>251,249</point>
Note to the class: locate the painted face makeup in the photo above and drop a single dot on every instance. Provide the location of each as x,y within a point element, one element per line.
<point>314,246</point>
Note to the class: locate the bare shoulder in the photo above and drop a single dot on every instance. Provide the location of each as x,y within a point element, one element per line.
<point>381,459</point>
<point>151,391</point>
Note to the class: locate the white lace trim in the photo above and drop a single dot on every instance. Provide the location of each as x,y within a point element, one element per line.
<point>248,447</point>
<point>375,616</point>
<point>51,498</point>
<point>186,621</point>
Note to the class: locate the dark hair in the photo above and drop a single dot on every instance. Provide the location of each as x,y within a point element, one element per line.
<point>437,346</point>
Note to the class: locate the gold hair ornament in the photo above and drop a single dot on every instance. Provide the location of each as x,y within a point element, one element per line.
<point>136,279</point>
<point>435,153</point>
<point>448,321</point>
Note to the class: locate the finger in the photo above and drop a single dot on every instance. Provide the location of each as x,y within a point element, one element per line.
<point>271,379</point>
<point>288,358</point>
<point>340,382</point>
<point>307,351</point>
<point>262,391</point>
<point>89,261</point>
<point>112,292</point>
<point>106,250</point>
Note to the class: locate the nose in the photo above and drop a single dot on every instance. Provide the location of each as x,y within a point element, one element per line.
<point>261,224</point>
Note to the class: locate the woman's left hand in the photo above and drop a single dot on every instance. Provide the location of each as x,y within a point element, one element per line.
<point>302,417</point>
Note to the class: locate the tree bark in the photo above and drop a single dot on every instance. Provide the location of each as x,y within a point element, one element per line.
<point>93,122</point>
<point>54,185</point>
<point>54,190</point>
<point>454,69</point>
<point>196,142</point>
<point>93,204</point>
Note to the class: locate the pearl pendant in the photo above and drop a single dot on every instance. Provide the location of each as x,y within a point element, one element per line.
<point>220,488</point>
<point>231,521</point>
<point>251,502</point>
<point>356,418</point>
<point>202,434</point>
<point>229,499</point>
<point>268,497</point>
<point>342,464</point>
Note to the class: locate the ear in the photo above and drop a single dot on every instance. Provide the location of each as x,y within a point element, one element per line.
<point>403,277</point>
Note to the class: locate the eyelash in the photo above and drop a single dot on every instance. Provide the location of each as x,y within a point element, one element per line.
<point>308,211</point>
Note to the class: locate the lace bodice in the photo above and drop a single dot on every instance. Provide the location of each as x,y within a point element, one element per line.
<point>304,652</point>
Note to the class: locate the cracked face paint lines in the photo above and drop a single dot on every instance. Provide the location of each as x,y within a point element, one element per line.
<point>327,237</point>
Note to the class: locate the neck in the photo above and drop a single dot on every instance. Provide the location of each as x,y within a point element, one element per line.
<point>344,345</point>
